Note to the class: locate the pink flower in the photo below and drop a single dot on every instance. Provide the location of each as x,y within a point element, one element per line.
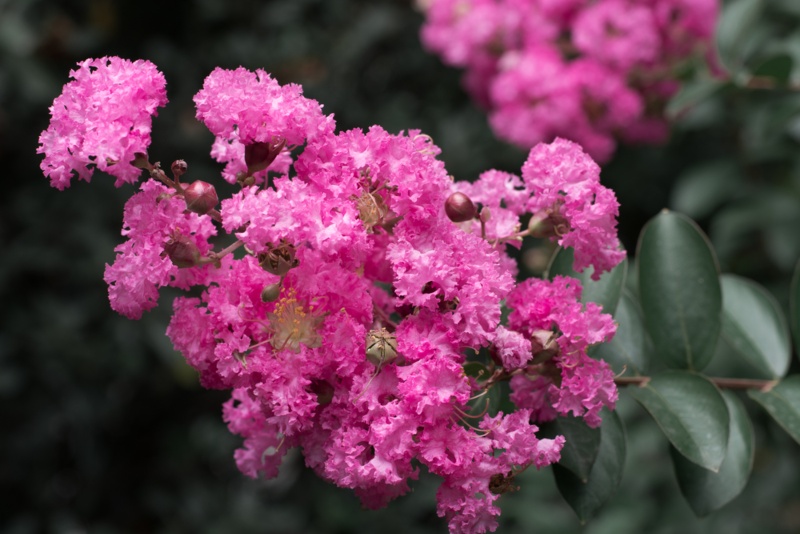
<point>586,385</point>
<point>102,119</point>
<point>565,183</point>
<point>618,33</point>
<point>241,108</point>
<point>152,219</point>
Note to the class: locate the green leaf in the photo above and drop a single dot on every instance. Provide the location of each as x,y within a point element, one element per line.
<point>692,93</point>
<point>794,306</point>
<point>679,290</point>
<point>706,491</point>
<point>581,445</point>
<point>629,351</point>
<point>691,412</point>
<point>586,498</point>
<point>754,325</point>
<point>606,291</point>
<point>736,23</point>
<point>782,402</point>
<point>702,188</point>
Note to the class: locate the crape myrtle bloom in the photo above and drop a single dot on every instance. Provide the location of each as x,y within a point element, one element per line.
<point>164,247</point>
<point>102,119</point>
<point>560,187</point>
<point>570,381</point>
<point>568,199</point>
<point>526,62</point>
<point>342,322</point>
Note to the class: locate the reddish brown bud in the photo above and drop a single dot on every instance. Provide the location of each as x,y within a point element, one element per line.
<point>259,156</point>
<point>459,208</point>
<point>201,197</point>
<point>179,168</point>
<point>182,251</point>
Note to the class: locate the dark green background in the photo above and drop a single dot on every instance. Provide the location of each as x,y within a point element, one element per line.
<point>103,427</point>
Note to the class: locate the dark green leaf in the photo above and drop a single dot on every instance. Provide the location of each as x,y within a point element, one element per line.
<point>581,445</point>
<point>679,290</point>
<point>692,414</point>
<point>629,351</point>
<point>606,292</point>
<point>702,188</point>
<point>754,325</point>
<point>783,404</point>
<point>737,21</point>
<point>706,491</point>
<point>586,498</point>
<point>692,93</point>
<point>777,68</point>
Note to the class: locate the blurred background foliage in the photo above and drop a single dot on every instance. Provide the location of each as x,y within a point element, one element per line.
<point>105,428</point>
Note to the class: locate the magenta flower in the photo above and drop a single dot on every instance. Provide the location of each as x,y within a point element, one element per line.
<point>341,311</point>
<point>102,119</point>
<point>565,183</point>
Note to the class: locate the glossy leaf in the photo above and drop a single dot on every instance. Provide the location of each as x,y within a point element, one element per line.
<point>753,325</point>
<point>782,402</point>
<point>702,188</point>
<point>706,491</point>
<point>692,93</point>
<point>736,22</point>
<point>629,351</point>
<point>692,414</point>
<point>606,291</point>
<point>586,498</point>
<point>679,290</point>
<point>581,445</point>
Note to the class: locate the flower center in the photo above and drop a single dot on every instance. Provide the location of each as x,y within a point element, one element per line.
<point>292,324</point>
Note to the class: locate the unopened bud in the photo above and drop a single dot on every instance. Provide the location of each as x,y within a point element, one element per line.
<point>381,347</point>
<point>459,208</point>
<point>271,292</point>
<point>259,156</point>
<point>179,168</point>
<point>549,223</point>
<point>485,214</point>
<point>279,260</point>
<point>201,197</point>
<point>182,251</point>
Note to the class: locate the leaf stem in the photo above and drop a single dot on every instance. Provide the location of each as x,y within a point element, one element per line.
<point>724,383</point>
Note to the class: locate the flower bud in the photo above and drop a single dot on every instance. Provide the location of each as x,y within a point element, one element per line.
<point>500,483</point>
<point>182,251</point>
<point>179,168</point>
<point>271,292</point>
<point>279,260</point>
<point>381,347</point>
<point>259,156</point>
<point>485,214</point>
<point>201,197</point>
<point>459,208</point>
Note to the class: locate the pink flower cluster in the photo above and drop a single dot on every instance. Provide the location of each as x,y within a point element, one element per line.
<point>101,120</point>
<point>593,71</point>
<point>341,311</point>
